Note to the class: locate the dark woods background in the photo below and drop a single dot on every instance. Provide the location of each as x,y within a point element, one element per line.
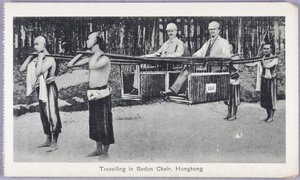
<point>142,35</point>
<point>137,36</point>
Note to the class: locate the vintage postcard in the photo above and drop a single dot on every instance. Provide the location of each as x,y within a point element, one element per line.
<point>151,90</point>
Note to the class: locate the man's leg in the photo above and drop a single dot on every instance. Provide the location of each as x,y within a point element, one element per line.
<point>270,119</point>
<point>47,143</point>
<point>229,112</point>
<point>46,125</point>
<point>54,114</point>
<point>268,115</point>
<point>104,154</point>
<point>105,150</point>
<point>175,88</point>
<point>54,145</point>
<point>98,150</point>
<point>134,91</point>
<point>234,114</point>
<point>273,99</point>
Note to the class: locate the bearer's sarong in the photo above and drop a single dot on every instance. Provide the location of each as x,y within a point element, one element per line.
<point>51,124</point>
<point>268,93</point>
<point>234,95</point>
<point>100,119</point>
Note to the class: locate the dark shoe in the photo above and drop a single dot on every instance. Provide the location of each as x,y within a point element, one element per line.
<point>167,93</point>
<point>134,91</point>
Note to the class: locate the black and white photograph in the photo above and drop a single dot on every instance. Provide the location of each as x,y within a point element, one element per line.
<point>135,90</point>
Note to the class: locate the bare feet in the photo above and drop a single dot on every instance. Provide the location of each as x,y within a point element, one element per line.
<point>53,147</point>
<point>227,117</point>
<point>269,120</point>
<point>232,118</point>
<point>95,153</point>
<point>45,144</point>
<point>103,156</point>
<point>265,119</point>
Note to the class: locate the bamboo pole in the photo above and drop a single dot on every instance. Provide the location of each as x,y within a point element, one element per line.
<point>119,59</point>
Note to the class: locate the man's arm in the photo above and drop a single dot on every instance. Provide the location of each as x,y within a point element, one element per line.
<point>252,64</point>
<point>270,63</point>
<point>151,55</point>
<point>201,52</point>
<point>26,62</point>
<point>156,54</point>
<point>226,49</point>
<point>97,62</point>
<point>76,61</point>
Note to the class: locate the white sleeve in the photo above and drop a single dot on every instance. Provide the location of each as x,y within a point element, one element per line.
<point>202,51</point>
<point>226,49</point>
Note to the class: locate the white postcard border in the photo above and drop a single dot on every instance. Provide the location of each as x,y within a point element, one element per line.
<point>290,168</point>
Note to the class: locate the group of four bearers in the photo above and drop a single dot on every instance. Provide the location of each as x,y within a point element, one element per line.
<point>41,71</point>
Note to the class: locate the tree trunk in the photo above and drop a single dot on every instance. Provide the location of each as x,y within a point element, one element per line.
<point>188,35</point>
<point>195,35</point>
<point>153,35</point>
<point>276,36</point>
<point>121,45</point>
<point>239,36</point>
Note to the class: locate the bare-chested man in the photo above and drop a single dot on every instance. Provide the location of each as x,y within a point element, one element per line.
<point>40,75</point>
<point>100,116</point>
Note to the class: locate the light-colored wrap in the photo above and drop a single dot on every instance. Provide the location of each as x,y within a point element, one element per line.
<point>98,94</point>
<point>32,81</point>
<point>30,78</point>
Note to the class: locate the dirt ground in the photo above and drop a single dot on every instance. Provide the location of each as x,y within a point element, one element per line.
<point>162,132</point>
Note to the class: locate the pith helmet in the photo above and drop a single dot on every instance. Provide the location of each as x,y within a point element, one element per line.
<point>171,26</point>
<point>213,24</point>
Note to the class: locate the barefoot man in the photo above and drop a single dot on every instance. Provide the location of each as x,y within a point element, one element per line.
<point>268,86</point>
<point>40,75</point>
<point>100,116</point>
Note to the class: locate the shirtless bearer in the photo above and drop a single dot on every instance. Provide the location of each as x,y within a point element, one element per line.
<point>100,116</point>
<point>40,76</point>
